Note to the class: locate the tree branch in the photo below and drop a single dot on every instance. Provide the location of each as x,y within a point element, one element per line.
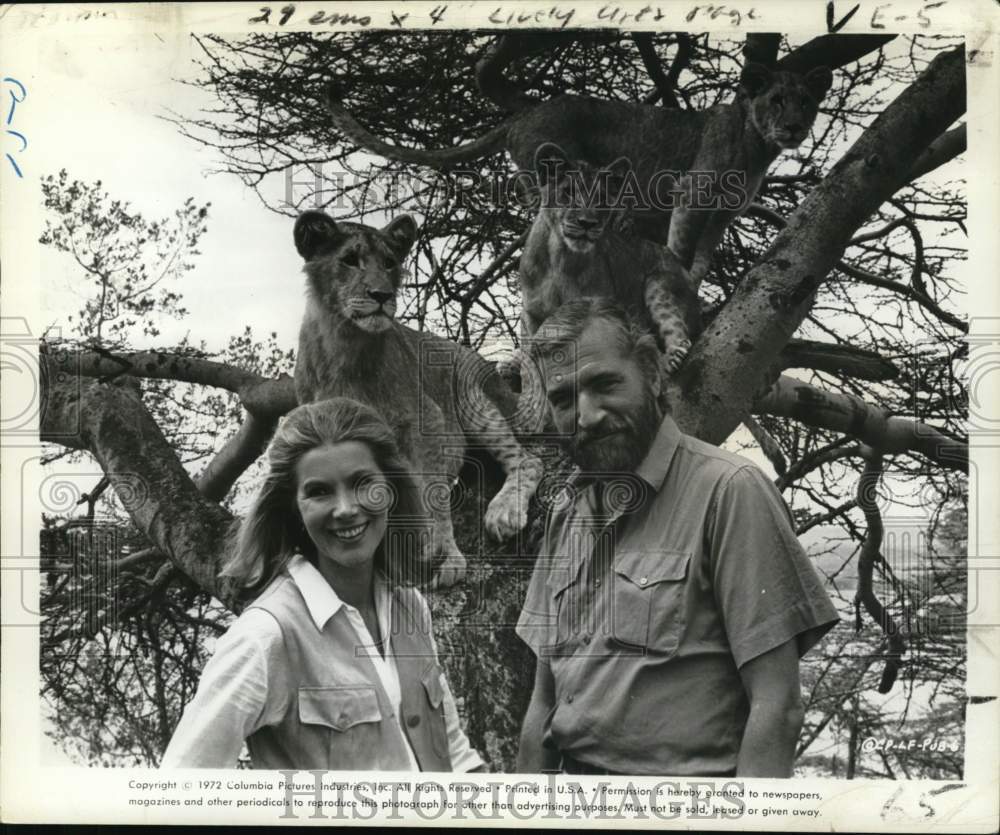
<point>262,397</point>
<point>870,555</point>
<point>831,51</point>
<point>851,415</point>
<point>111,422</point>
<point>837,359</point>
<point>716,385</point>
<point>943,149</point>
<point>240,451</point>
<point>908,290</point>
<point>651,61</point>
<point>768,445</point>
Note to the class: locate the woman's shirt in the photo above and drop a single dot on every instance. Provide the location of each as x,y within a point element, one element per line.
<point>241,688</point>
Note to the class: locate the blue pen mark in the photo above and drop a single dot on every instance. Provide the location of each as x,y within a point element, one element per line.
<point>24,141</point>
<point>14,100</point>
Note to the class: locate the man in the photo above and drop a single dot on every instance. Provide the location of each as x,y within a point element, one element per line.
<point>671,601</point>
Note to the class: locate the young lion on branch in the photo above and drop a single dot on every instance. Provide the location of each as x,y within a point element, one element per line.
<point>428,389</point>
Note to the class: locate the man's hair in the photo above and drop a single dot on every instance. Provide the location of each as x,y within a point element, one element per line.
<point>563,328</point>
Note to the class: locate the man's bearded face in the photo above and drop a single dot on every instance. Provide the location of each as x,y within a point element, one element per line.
<point>602,403</point>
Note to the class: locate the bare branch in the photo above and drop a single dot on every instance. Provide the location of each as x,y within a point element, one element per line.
<point>110,420</point>
<point>768,445</point>
<point>651,61</point>
<point>853,416</point>
<point>240,451</point>
<point>831,51</point>
<point>866,277</point>
<point>870,555</point>
<point>943,149</point>
<point>837,359</point>
<point>259,395</point>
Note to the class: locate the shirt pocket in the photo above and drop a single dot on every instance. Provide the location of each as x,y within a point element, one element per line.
<point>648,598</point>
<point>351,719</point>
<point>434,689</point>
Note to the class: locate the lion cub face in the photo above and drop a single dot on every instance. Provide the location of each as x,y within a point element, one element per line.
<point>783,105</point>
<point>578,200</point>
<point>354,271</point>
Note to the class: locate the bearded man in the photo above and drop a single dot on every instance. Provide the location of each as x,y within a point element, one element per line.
<point>671,600</point>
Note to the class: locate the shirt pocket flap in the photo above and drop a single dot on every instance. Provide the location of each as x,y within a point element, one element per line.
<point>339,708</point>
<point>432,684</point>
<point>648,567</point>
<point>561,576</point>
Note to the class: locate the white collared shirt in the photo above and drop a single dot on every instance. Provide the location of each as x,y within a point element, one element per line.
<point>234,699</point>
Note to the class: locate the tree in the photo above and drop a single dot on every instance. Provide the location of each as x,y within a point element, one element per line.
<point>839,275</point>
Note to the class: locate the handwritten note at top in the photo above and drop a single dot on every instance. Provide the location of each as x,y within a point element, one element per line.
<point>835,16</point>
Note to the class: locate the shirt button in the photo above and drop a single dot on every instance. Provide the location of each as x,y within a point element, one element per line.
<point>643,581</point>
<point>569,699</point>
<point>586,638</point>
<point>597,582</point>
<point>413,721</point>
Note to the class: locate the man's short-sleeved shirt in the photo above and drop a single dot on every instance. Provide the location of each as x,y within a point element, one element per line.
<point>645,621</point>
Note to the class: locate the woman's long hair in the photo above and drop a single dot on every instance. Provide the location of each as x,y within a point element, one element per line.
<point>261,544</point>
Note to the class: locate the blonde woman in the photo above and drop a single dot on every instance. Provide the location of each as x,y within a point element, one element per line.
<point>333,665</point>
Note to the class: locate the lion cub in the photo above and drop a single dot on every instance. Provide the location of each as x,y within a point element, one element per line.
<point>577,246</point>
<point>428,389</point>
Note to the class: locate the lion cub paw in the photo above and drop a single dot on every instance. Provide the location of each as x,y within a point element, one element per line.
<point>675,355</point>
<point>507,513</point>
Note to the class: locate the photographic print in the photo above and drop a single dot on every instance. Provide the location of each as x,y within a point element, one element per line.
<point>591,399</point>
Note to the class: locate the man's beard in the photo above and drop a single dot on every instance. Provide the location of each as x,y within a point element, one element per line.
<point>619,445</point>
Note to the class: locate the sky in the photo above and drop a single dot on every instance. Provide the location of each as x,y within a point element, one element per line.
<point>103,108</point>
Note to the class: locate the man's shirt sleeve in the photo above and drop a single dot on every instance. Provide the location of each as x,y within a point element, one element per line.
<point>767,589</point>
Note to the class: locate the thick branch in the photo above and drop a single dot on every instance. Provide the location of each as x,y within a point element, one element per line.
<point>768,445</point>
<point>717,383</point>
<point>851,415</point>
<point>831,51</point>
<point>943,149</point>
<point>110,420</point>
<point>651,61</point>
<point>263,397</point>
<point>240,451</point>
<point>837,359</point>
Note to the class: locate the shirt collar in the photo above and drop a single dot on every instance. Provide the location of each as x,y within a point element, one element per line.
<point>654,466</point>
<point>321,600</point>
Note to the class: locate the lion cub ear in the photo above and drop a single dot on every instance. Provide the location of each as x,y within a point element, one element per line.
<point>754,79</point>
<point>315,233</point>
<point>819,81</point>
<point>402,232</point>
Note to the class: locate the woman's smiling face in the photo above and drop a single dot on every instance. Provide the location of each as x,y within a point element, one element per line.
<point>341,495</point>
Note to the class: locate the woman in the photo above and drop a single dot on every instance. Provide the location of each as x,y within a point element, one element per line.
<point>333,665</point>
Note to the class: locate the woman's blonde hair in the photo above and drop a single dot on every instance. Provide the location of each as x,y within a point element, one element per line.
<point>260,545</point>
